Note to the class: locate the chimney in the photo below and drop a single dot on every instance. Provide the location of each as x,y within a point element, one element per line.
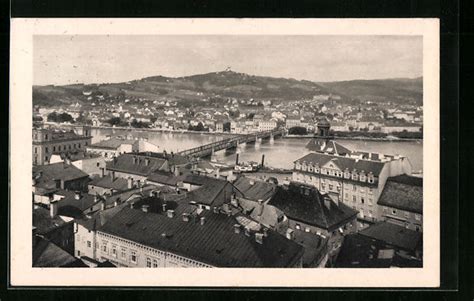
<point>132,205</point>
<point>185,217</point>
<point>129,183</point>
<point>170,213</point>
<point>53,208</point>
<point>265,232</point>
<point>57,182</point>
<point>260,207</point>
<point>263,160</point>
<point>115,203</point>
<point>289,234</point>
<point>145,208</point>
<point>77,195</point>
<point>202,220</point>
<point>147,161</point>
<point>251,182</point>
<point>247,231</point>
<point>112,175</point>
<point>102,205</point>
<point>134,159</point>
<point>216,209</point>
<point>102,172</point>
<point>259,238</point>
<point>236,228</point>
<point>164,207</point>
<point>237,159</point>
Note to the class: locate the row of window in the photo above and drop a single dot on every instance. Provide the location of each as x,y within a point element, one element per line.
<point>405,213</point>
<point>361,199</point>
<point>337,173</point>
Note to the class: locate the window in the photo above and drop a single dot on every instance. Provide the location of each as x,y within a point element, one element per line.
<point>133,256</point>
<point>98,164</point>
<point>148,262</point>
<point>89,244</point>
<point>394,212</point>
<point>362,200</point>
<point>46,136</point>
<point>155,263</point>
<point>104,247</point>
<point>46,158</point>
<point>417,228</point>
<point>354,188</point>
<point>371,202</point>
<point>323,186</point>
<point>371,191</point>
<point>354,198</point>
<point>417,217</point>
<point>407,214</point>
<point>36,136</point>
<point>306,230</point>
<point>46,149</point>
<point>331,186</point>
<point>69,146</point>
<point>54,148</point>
<point>298,227</point>
<point>123,253</point>
<point>78,253</point>
<point>74,145</point>
<point>86,143</point>
<point>114,251</point>
<point>36,150</point>
<point>59,148</point>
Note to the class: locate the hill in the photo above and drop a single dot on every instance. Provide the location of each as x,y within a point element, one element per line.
<point>226,84</point>
<point>396,89</point>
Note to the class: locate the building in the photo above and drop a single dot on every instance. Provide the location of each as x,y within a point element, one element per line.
<point>305,209</point>
<point>138,237</point>
<point>266,125</point>
<point>90,163</point>
<point>47,142</point>
<point>113,147</point>
<point>401,202</point>
<point>47,254</point>
<point>48,179</point>
<point>292,122</point>
<point>354,178</point>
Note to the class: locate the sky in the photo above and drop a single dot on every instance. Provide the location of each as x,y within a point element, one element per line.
<point>66,59</point>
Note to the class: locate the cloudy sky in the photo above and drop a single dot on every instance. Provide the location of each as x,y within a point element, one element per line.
<point>101,59</point>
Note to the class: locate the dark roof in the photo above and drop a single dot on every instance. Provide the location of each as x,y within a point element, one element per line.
<point>112,143</point>
<point>78,155</point>
<point>43,221</point>
<point>172,158</point>
<point>123,196</point>
<point>259,190</point>
<point>201,180</point>
<point>331,147</point>
<point>213,243</point>
<point>323,122</point>
<point>404,193</point>
<point>344,162</point>
<point>164,177</point>
<point>99,218</point>
<point>311,208</point>
<point>215,193</point>
<point>46,174</point>
<point>124,163</point>
<point>315,247</point>
<point>69,206</point>
<point>394,235</point>
<point>107,182</point>
<point>47,254</point>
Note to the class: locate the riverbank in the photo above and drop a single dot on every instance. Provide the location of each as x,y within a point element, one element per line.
<point>155,130</point>
<point>384,139</point>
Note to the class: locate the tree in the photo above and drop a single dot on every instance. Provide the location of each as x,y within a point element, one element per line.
<point>226,126</point>
<point>114,121</point>
<point>63,117</point>
<point>297,130</point>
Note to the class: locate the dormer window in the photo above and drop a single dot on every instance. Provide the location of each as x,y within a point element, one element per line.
<point>316,170</point>
<point>370,178</point>
<point>347,175</point>
<point>362,177</point>
<point>354,176</point>
<point>304,166</point>
<point>298,165</point>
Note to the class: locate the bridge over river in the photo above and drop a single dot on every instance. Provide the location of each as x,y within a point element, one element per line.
<point>230,143</point>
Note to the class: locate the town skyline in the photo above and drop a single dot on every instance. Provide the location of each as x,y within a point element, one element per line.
<point>114,59</point>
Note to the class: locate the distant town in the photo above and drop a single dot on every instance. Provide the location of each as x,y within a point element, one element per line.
<point>151,103</point>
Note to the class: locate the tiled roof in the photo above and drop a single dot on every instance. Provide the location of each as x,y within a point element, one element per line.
<point>215,193</point>
<point>124,163</point>
<point>344,162</point>
<point>394,235</point>
<point>69,206</point>
<point>43,221</point>
<point>403,192</point>
<point>172,158</point>
<point>46,175</point>
<point>107,182</point>
<point>112,143</point>
<point>163,177</point>
<point>47,254</point>
<point>311,208</point>
<point>259,190</point>
<point>315,247</point>
<point>213,243</point>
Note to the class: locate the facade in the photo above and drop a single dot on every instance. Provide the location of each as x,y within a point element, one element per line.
<point>47,142</point>
<point>266,125</point>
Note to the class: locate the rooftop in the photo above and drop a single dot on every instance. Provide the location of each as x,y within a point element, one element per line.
<point>403,192</point>
<point>133,163</point>
<point>306,204</point>
<point>112,143</point>
<point>47,254</point>
<point>214,243</point>
<point>45,175</point>
<point>255,190</point>
<point>394,235</point>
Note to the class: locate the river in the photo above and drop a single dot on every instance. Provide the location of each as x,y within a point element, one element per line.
<point>279,154</point>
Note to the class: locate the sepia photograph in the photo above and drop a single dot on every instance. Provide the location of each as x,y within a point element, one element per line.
<point>291,150</point>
